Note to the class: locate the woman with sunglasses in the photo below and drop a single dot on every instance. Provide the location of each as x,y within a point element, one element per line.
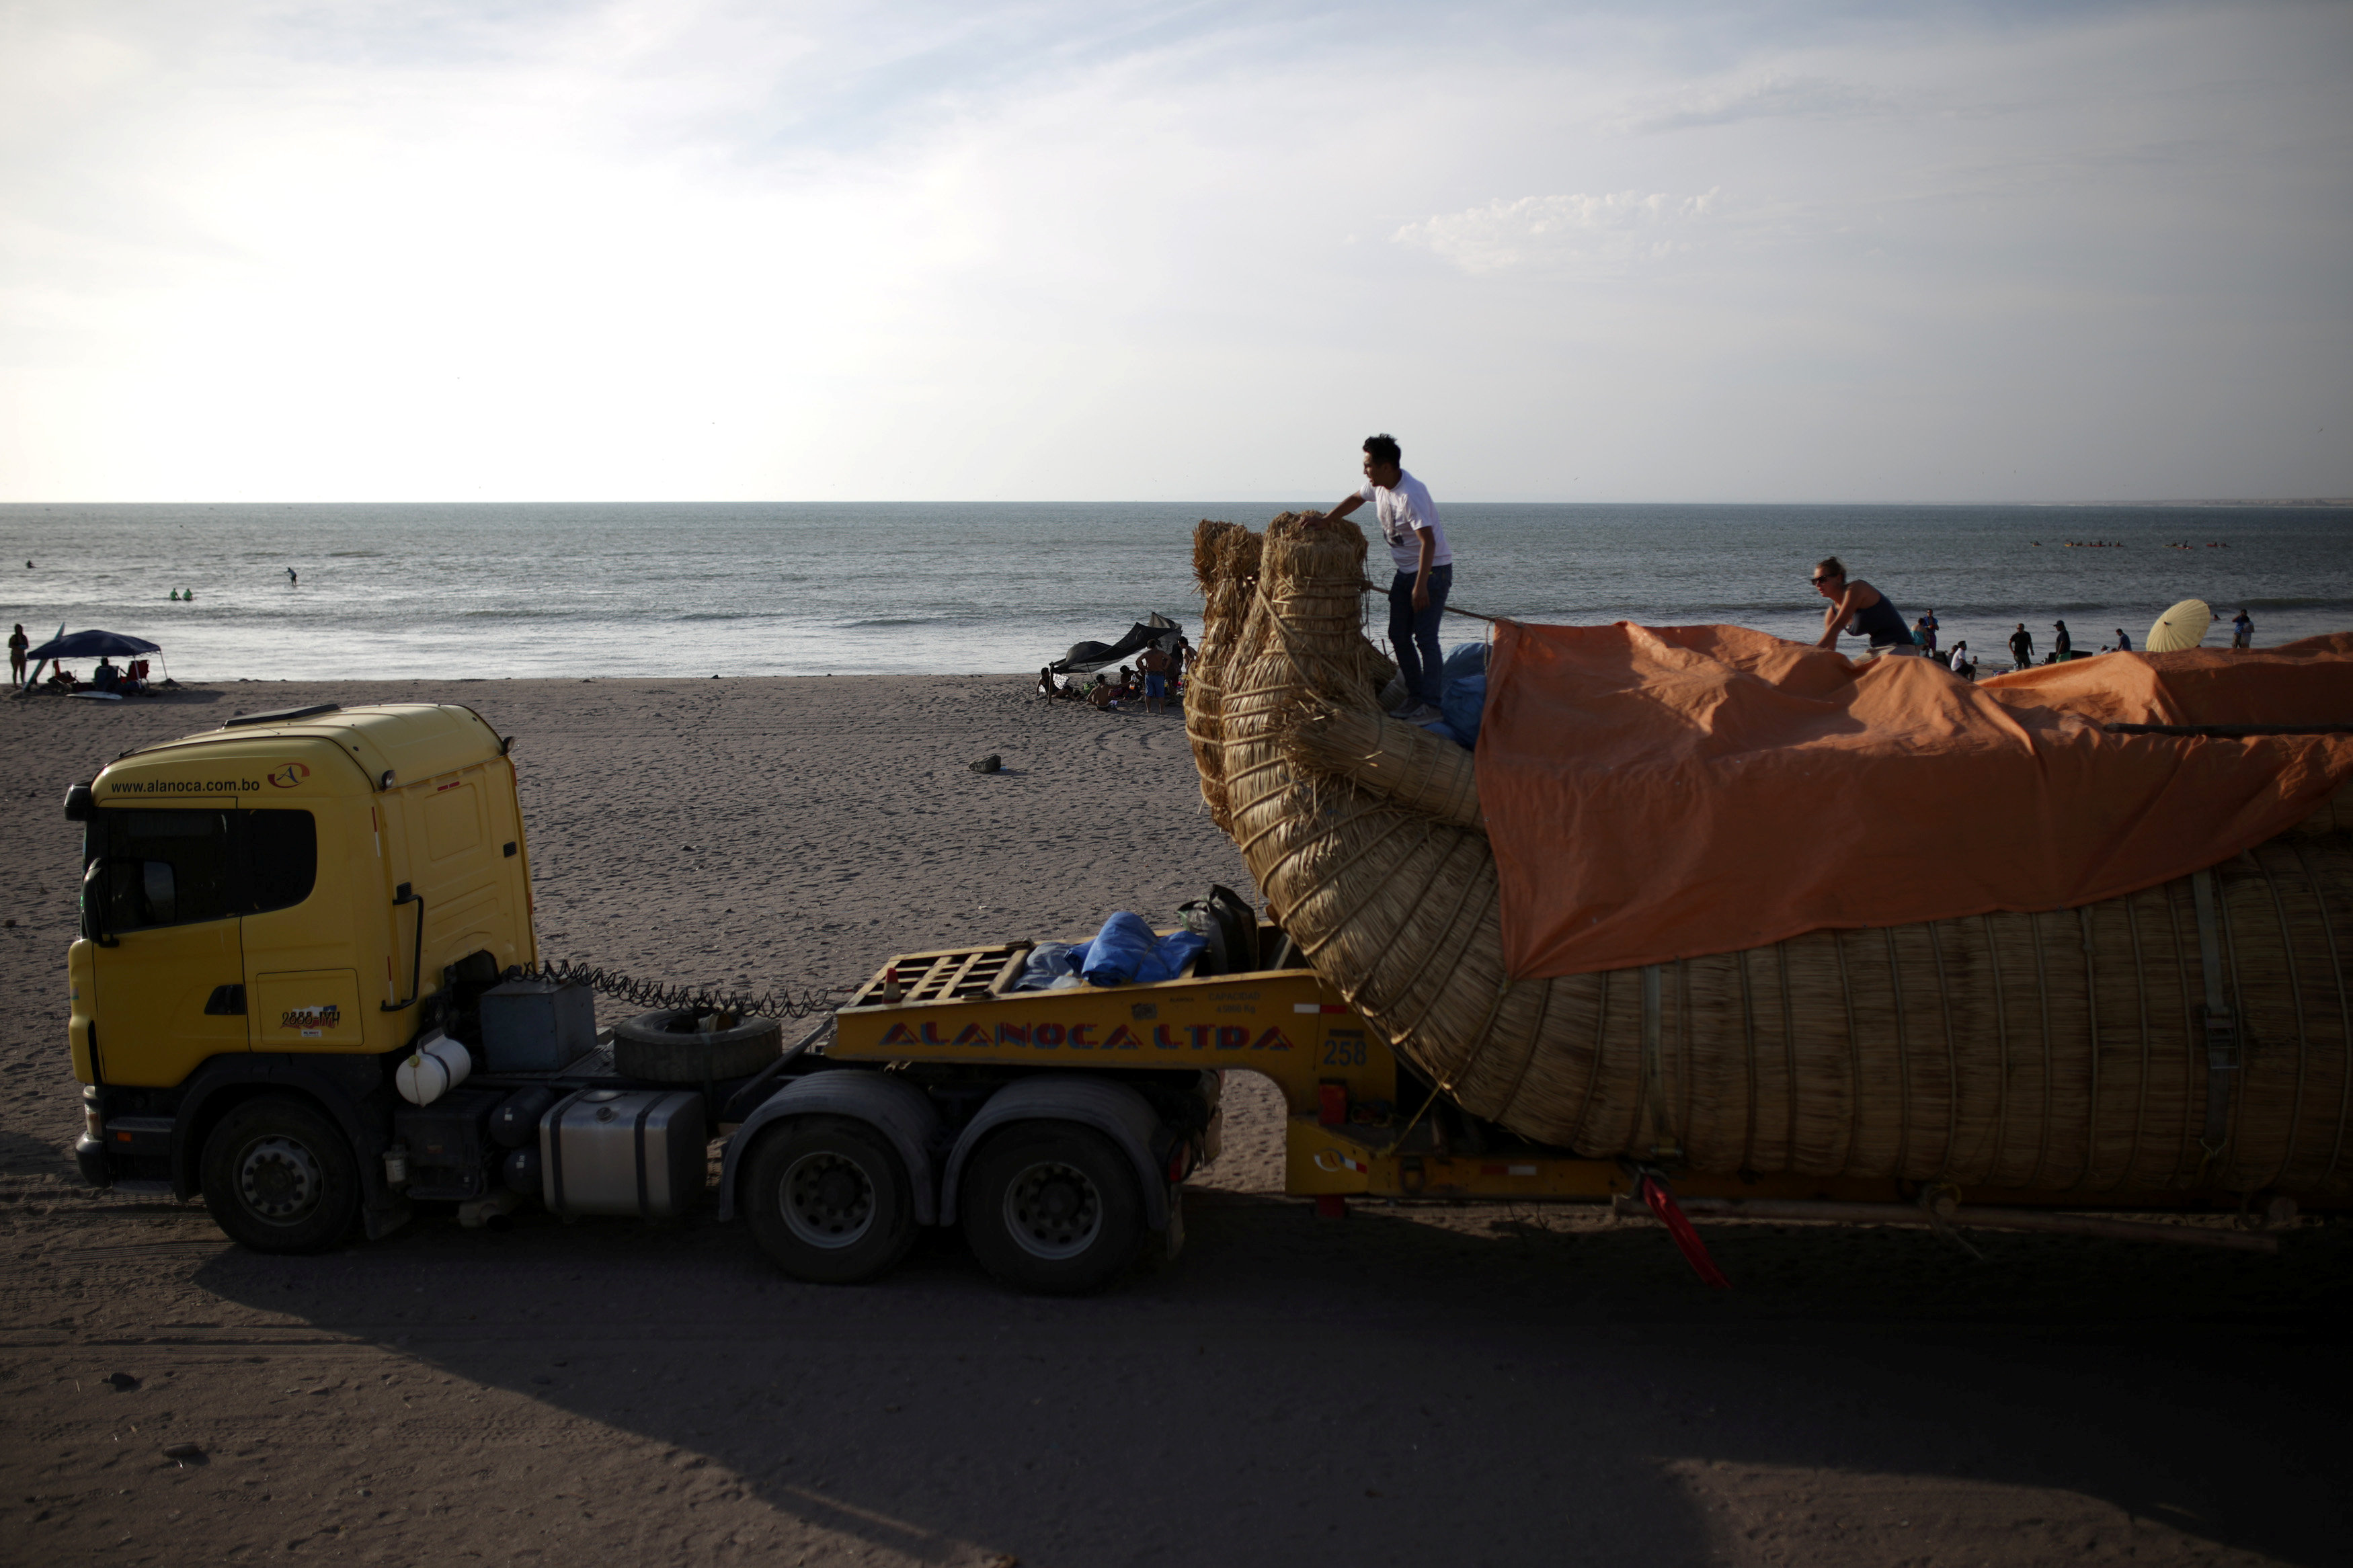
<point>1860,610</point>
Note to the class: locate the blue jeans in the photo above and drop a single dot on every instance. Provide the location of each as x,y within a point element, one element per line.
<point>1414,634</point>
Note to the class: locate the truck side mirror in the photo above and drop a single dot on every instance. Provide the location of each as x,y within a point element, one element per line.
<point>94,902</point>
<point>78,803</point>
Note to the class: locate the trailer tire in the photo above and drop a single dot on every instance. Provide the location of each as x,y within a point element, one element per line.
<point>1052,1209</point>
<point>829,1200</point>
<point>665,1048</point>
<point>280,1176</point>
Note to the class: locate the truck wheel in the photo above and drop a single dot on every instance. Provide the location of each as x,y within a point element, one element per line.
<point>1052,1208</point>
<point>829,1201</point>
<point>279,1177</point>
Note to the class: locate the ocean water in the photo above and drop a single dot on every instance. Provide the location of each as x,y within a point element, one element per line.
<point>666,590</point>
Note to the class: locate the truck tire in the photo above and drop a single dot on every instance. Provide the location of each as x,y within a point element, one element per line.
<point>279,1176</point>
<point>1052,1209</point>
<point>666,1048</point>
<point>829,1200</point>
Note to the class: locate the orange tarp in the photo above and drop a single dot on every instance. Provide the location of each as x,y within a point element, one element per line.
<point>1656,793</point>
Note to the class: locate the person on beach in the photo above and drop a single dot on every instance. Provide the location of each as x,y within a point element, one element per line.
<point>17,648</point>
<point>1157,665</point>
<point>1425,572</point>
<point>2063,649</point>
<point>1924,632</point>
<point>2124,643</point>
<point>2242,631</point>
<point>1859,610</point>
<point>2021,647</point>
<point>1958,663</point>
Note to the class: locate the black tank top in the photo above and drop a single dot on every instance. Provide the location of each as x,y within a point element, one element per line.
<point>1883,623</point>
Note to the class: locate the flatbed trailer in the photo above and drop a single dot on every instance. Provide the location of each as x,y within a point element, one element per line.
<point>306,984</point>
<point>1358,1121</point>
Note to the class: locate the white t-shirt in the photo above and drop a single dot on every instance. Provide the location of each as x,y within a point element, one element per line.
<point>1401,511</point>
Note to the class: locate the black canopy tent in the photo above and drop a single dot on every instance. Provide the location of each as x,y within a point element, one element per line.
<point>1157,631</point>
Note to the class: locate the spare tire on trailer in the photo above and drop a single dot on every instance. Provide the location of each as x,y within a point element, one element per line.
<point>666,1048</point>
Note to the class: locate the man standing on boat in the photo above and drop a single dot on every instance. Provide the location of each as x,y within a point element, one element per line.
<point>1425,572</point>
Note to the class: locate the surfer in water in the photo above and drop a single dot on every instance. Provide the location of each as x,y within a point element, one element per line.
<point>1860,610</point>
<point>291,580</point>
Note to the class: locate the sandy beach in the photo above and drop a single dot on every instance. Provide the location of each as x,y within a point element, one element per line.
<point>1415,1385</point>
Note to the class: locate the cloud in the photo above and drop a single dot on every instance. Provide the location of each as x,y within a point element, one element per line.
<point>1779,97</point>
<point>1616,228</point>
<point>1000,250</point>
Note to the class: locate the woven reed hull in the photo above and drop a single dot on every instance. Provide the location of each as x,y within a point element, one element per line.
<point>2056,1051</point>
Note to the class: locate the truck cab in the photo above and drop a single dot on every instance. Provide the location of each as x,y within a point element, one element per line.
<point>264,908</point>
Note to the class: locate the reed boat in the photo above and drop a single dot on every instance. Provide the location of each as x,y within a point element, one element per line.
<point>2188,1036</point>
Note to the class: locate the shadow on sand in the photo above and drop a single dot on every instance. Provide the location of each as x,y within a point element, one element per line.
<point>1391,1389</point>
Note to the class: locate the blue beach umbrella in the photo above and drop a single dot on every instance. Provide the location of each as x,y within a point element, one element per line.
<point>84,645</point>
<point>91,644</point>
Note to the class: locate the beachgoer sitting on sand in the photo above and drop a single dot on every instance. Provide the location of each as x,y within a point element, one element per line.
<point>1859,610</point>
<point>62,678</point>
<point>106,676</point>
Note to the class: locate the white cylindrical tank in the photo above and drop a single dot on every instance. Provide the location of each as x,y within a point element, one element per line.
<point>437,1066</point>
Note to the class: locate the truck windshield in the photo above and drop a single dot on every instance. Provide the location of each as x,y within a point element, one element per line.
<point>180,868</point>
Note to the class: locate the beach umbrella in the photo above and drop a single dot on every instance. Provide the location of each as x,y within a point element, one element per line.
<point>83,644</point>
<point>91,644</point>
<point>2184,626</point>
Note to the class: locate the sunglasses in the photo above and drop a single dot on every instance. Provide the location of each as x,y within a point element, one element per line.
<point>1830,579</point>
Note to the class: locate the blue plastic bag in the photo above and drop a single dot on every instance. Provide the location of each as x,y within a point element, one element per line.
<point>1126,950</point>
<point>1464,658</point>
<point>1464,701</point>
<point>1049,962</point>
<point>1462,694</point>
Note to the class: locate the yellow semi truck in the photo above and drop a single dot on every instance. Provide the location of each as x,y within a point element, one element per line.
<point>307,988</point>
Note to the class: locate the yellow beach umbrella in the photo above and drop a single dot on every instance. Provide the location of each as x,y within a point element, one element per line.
<point>2184,626</point>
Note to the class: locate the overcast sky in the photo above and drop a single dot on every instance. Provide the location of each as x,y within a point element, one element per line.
<point>674,250</point>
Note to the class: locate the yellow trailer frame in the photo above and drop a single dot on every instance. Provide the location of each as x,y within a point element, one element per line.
<point>1357,1124</point>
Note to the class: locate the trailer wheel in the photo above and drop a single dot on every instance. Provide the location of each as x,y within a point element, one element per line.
<point>1052,1208</point>
<point>829,1200</point>
<point>279,1176</point>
